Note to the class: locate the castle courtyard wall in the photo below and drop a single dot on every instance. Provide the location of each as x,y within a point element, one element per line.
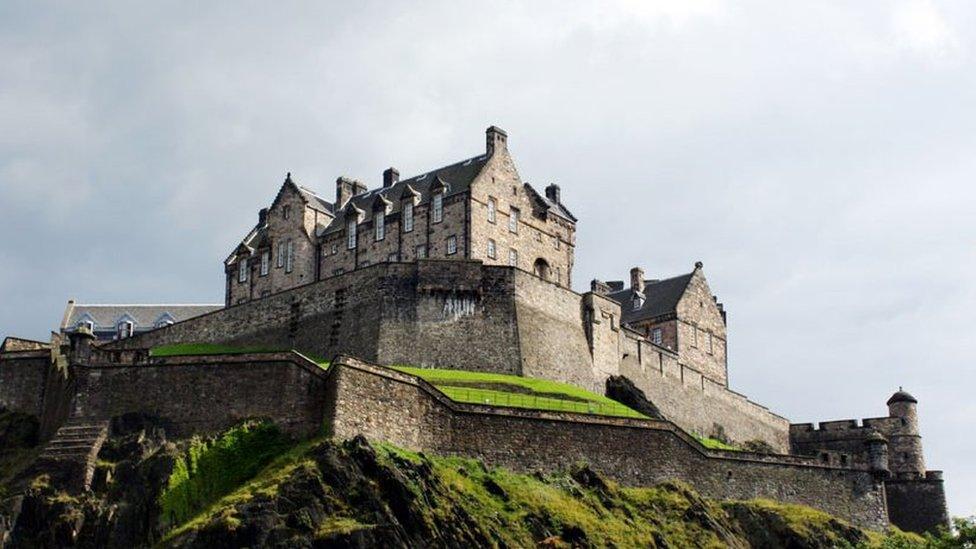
<point>632,452</point>
<point>207,394</point>
<point>22,379</point>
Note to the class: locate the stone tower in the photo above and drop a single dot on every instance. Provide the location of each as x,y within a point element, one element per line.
<point>904,441</point>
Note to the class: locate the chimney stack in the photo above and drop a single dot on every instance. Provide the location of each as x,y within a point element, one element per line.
<point>390,177</point>
<point>637,279</point>
<point>552,193</point>
<point>496,139</point>
<point>262,216</point>
<point>343,192</point>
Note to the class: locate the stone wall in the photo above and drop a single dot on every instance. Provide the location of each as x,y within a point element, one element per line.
<point>918,505</point>
<point>22,379</point>
<point>633,452</point>
<point>207,394</point>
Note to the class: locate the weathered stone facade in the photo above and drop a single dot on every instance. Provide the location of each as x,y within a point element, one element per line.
<point>475,209</point>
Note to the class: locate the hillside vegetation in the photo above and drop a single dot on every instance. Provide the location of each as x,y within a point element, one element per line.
<point>253,486</point>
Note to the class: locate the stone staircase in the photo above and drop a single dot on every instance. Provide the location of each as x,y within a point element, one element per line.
<point>73,450</point>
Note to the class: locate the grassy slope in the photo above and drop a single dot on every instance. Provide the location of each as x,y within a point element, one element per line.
<point>497,507</point>
<point>539,394</point>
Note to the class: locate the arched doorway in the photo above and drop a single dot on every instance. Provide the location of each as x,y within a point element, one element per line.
<point>541,269</point>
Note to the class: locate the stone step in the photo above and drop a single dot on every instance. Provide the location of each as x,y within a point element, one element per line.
<point>79,436</point>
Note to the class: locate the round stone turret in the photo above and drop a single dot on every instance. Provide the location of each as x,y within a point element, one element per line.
<point>877,453</point>
<point>904,442</point>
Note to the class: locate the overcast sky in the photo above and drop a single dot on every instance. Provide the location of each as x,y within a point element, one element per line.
<point>817,157</point>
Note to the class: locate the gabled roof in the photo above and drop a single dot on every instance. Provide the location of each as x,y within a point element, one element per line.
<point>553,206</point>
<point>660,297</point>
<point>456,178</point>
<point>142,315</point>
<point>313,200</point>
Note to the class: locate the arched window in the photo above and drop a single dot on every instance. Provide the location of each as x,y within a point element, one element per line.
<point>541,269</point>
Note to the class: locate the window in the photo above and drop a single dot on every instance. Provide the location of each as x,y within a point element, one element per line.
<point>656,336</point>
<point>379,223</point>
<point>87,324</point>
<point>364,263</point>
<point>421,252</point>
<point>491,248</point>
<point>242,271</point>
<point>338,271</point>
<point>164,323</point>
<point>710,348</point>
<point>392,258</point>
<point>124,329</point>
<point>538,236</point>
<point>290,257</point>
<point>451,245</point>
<point>559,276</point>
<point>513,219</point>
<point>265,262</point>
<point>513,258</point>
<point>351,234</point>
<point>491,210</point>
<point>335,249</point>
<point>694,336</point>
<point>638,302</point>
<point>438,207</point>
<point>286,212</point>
<point>281,254</point>
<point>407,217</point>
<point>557,242</point>
<point>265,293</point>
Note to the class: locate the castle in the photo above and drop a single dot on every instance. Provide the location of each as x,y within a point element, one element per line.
<point>468,267</point>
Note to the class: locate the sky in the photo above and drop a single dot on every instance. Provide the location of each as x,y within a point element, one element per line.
<point>816,156</point>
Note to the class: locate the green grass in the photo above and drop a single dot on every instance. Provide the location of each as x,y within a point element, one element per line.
<point>715,444</point>
<point>198,349</point>
<point>519,392</point>
<point>212,468</point>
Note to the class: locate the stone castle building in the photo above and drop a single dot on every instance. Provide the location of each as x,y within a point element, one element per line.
<point>469,267</point>
<point>478,208</point>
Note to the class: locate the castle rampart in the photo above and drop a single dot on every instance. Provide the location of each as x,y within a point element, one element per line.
<point>465,315</point>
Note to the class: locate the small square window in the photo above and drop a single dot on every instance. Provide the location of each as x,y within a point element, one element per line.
<point>392,258</point>
<point>657,336</point>
<point>451,245</point>
<point>421,252</point>
<point>491,249</point>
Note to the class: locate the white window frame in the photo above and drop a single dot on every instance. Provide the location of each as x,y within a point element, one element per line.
<point>638,302</point>
<point>335,248</point>
<point>512,257</point>
<point>88,324</point>
<point>657,336</point>
<point>124,329</point>
<point>421,251</point>
<point>242,271</point>
<point>492,209</point>
<point>379,225</point>
<point>513,220</point>
<point>290,256</point>
<point>451,245</point>
<point>351,234</point>
<point>265,262</point>
<point>438,207</point>
<point>492,249</point>
<point>393,257</point>
<point>281,255</point>
<point>408,217</point>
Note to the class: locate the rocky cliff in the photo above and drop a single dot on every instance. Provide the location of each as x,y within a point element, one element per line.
<point>254,487</point>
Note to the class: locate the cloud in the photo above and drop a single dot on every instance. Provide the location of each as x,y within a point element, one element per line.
<point>816,157</point>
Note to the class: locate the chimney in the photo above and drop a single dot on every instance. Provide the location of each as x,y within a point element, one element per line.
<point>262,216</point>
<point>390,177</point>
<point>552,193</point>
<point>599,287</point>
<point>358,188</point>
<point>637,279</point>
<point>496,139</point>
<point>344,191</point>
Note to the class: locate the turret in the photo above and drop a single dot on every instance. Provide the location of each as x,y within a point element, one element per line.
<point>877,446</point>
<point>905,444</point>
<point>81,345</point>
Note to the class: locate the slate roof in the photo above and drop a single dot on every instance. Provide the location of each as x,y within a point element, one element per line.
<point>552,205</point>
<point>315,201</point>
<point>456,177</point>
<point>106,316</point>
<point>660,297</point>
<point>901,396</point>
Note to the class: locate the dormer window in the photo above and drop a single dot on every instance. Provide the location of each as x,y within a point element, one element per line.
<point>379,224</point>
<point>638,301</point>
<point>163,322</point>
<point>242,270</point>
<point>408,216</point>
<point>124,329</point>
<point>438,214</point>
<point>87,324</point>
<point>351,234</point>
